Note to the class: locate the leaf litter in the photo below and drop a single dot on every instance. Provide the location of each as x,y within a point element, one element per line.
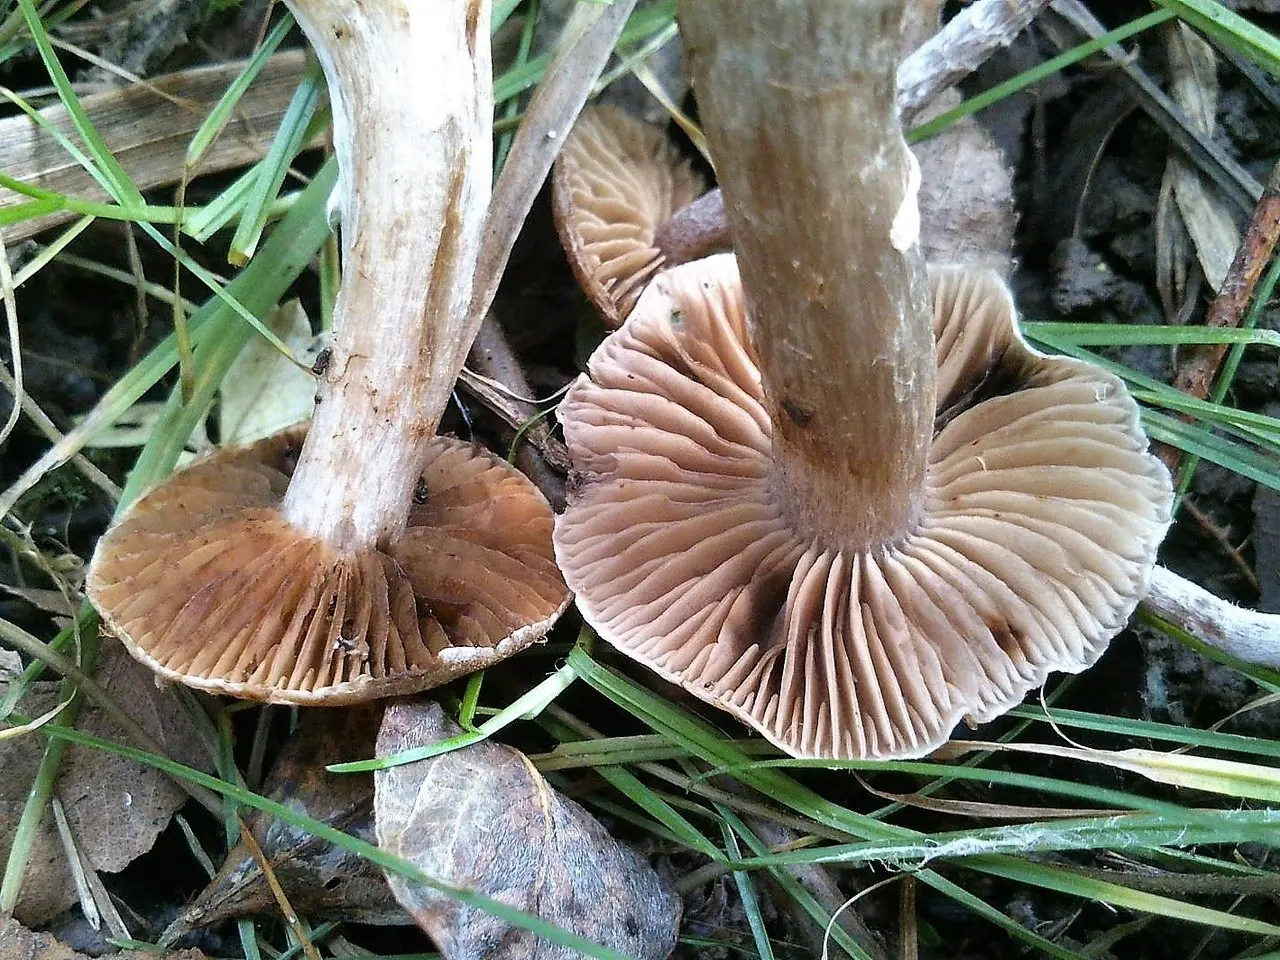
<point>19,943</point>
<point>484,818</point>
<point>320,880</point>
<point>115,808</point>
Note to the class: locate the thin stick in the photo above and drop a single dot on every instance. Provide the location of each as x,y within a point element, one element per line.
<point>277,891</point>
<point>959,48</point>
<point>1247,635</point>
<point>1220,536</point>
<point>492,356</point>
<point>1196,375</point>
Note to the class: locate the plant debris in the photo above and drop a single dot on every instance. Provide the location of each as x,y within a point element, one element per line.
<point>19,943</point>
<point>482,817</point>
<point>115,807</point>
<point>321,881</point>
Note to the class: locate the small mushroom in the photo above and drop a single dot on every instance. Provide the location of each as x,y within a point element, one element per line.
<point>615,182</point>
<point>367,559</point>
<point>835,495</point>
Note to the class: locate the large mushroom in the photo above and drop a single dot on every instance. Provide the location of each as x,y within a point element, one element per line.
<point>817,486</point>
<point>371,557</point>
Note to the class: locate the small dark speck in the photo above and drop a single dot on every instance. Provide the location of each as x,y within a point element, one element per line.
<point>420,492</point>
<point>798,414</point>
<point>322,362</point>
<point>577,481</point>
<point>677,318</point>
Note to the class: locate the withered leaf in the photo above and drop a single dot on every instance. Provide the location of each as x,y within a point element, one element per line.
<point>320,880</point>
<point>263,391</point>
<point>115,808</point>
<point>19,943</point>
<point>966,195</point>
<point>484,818</point>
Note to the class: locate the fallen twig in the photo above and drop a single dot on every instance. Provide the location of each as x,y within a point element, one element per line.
<point>1247,635</point>
<point>1195,377</point>
<point>1196,374</point>
<point>539,456</point>
<point>959,48</point>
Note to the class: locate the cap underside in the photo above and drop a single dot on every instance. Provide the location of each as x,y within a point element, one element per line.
<point>1042,514</point>
<point>206,583</point>
<point>616,181</point>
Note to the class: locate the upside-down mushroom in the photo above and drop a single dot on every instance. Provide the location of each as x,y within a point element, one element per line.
<point>614,185</point>
<point>370,558</point>
<point>833,494</point>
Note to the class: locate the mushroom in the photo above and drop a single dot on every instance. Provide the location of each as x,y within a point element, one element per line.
<point>817,486</point>
<point>369,558</point>
<point>615,183</point>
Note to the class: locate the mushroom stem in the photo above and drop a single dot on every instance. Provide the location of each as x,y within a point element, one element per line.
<point>411,94</point>
<point>798,102</point>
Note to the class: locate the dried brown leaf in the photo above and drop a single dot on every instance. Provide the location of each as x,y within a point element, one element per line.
<point>49,601</point>
<point>320,880</point>
<point>484,818</point>
<point>115,808</point>
<point>1193,71</point>
<point>966,195</point>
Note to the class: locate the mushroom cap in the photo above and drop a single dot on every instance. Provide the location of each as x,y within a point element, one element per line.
<point>616,181</point>
<point>1041,518</point>
<point>205,582</point>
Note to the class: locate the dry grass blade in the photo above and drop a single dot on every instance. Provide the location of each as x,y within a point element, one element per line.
<point>286,908</point>
<point>147,128</point>
<point>46,426</point>
<point>1235,181</point>
<point>984,810</point>
<point>585,45</point>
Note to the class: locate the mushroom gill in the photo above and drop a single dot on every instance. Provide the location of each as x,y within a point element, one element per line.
<point>208,554</point>
<point>1041,514</point>
<point>615,183</point>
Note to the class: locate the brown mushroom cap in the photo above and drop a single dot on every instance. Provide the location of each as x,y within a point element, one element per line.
<point>206,583</point>
<point>616,181</point>
<point>1040,522</point>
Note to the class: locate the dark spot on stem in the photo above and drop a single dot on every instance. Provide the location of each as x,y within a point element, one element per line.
<point>322,362</point>
<point>473,26</point>
<point>798,414</point>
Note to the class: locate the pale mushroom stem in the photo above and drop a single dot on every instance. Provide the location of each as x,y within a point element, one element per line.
<point>411,93</point>
<point>798,102</point>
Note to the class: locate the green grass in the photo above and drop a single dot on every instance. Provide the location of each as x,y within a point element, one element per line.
<point>694,781</point>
